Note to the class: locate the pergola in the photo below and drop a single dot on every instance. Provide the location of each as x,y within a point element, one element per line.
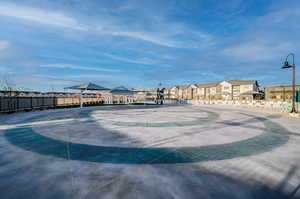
<point>87,86</point>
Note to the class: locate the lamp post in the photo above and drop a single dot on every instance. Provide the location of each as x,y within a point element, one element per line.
<point>293,66</point>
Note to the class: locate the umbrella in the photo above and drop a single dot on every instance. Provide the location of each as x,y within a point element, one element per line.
<point>87,86</point>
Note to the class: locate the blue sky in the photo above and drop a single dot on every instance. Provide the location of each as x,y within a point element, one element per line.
<point>47,45</point>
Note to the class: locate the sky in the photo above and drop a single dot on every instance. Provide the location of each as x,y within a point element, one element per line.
<point>51,44</point>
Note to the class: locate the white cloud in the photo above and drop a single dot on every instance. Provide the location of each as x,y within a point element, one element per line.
<point>94,76</point>
<point>287,15</point>
<point>145,60</point>
<point>40,16</point>
<point>269,37</point>
<point>104,77</point>
<point>9,52</point>
<point>153,38</point>
<point>110,26</point>
<point>77,67</point>
<point>4,45</point>
<point>252,51</point>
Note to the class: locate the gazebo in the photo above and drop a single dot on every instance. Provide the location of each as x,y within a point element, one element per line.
<point>85,87</point>
<point>122,91</point>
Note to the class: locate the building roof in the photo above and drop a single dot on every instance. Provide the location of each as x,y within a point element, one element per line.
<point>286,86</point>
<point>242,82</point>
<point>174,87</point>
<point>183,87</point>
<point>191,85</point>
<point>206,85</point>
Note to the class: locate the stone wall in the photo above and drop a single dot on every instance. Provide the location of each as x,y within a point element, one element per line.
<point>274,106</point>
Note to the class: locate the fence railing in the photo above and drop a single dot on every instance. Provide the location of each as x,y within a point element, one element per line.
<point>12,104</point>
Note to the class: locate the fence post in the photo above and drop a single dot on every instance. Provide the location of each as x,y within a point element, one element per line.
<point>10,104</point>
<point>17,103</point>
<point>31,103</point>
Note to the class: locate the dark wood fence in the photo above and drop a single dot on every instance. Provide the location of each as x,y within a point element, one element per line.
<point>13,104</point>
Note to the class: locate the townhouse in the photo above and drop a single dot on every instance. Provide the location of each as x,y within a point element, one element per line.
<point>173,92</point>
<point>224,90</point>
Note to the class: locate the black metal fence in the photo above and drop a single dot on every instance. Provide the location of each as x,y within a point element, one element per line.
<point>13,104</point>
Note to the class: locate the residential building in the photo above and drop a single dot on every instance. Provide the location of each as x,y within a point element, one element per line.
<point>245,90</point>
<point>206,91</point>
<point>191,92</point>
<point>225,90</point>
<point>173,92</point>
<point>182,92</point>
<point>280,93</point>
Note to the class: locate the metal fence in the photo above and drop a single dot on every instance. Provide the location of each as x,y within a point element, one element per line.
<point>12,104</point>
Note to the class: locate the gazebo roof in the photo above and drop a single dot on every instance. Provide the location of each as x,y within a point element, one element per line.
<point>87,86</point>
<point>121,90</point>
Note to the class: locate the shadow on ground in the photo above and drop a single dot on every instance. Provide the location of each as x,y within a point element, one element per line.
<point>26,138</point>
<point>49,172</point>
<point>91,181</point>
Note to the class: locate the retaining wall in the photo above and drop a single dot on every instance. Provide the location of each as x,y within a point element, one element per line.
<point>275,106</point>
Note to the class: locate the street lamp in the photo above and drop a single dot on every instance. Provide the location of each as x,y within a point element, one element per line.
<point>293,66</point>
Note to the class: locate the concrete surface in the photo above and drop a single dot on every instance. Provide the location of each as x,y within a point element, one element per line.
<point>179,151</point>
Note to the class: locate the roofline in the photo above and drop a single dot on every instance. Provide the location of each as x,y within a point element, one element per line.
<point>282,86</point>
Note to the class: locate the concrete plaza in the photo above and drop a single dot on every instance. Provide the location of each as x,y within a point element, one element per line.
<point>170,151</point>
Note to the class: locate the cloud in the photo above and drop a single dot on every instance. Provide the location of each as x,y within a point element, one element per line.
<point>255,51</point>
<point>4,45</point>
<point>175,36</point>
<point>152,38</point>
<point>39,16</point>
<point>9,52</point>
<point>144,60</point>
<point>78,67</point>
<point>94,76</point>
<point>107,80</point>
<point>197,41</point>
<point>268,37</point>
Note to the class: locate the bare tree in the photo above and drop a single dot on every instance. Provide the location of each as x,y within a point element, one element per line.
<point>7,85</point>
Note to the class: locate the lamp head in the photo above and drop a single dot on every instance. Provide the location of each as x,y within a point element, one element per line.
<point>286,65</point>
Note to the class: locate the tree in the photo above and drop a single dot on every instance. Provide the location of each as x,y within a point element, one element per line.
<point>7,85</point>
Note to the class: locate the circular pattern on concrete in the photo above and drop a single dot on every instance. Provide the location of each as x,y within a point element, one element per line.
<point>211,116</point>
<point>26,138</point>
